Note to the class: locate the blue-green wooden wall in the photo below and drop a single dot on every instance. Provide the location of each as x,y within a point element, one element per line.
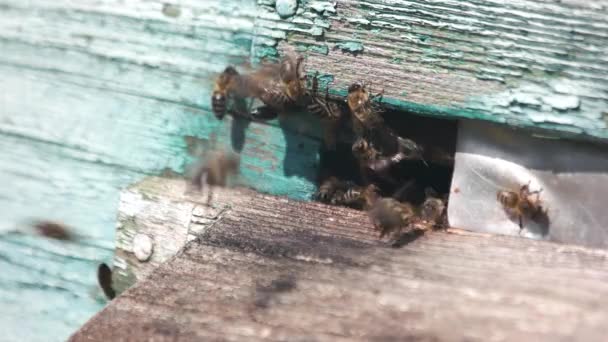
<point>95,96</point>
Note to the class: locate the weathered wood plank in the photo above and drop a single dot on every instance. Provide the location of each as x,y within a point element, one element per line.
<point>526,63</point>
<point>277,269</point>
<point>168,213</point>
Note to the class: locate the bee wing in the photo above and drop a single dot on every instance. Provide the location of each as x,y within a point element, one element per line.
<point>258,82</point>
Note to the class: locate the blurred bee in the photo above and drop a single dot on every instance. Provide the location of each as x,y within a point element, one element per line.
<point>523,204</point>
<point>365,115</point>
<point>54,230</point>
<point>391,216</point>
<point>224,88</point>
<point>433,210</point>
<point>279,86</point>
<point>328,111</point>
<point>215,171</point>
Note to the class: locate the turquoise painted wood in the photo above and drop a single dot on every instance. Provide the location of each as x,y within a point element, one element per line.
<point>95,96</point>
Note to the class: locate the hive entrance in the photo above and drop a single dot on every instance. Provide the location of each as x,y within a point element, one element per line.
<point>436,136</point>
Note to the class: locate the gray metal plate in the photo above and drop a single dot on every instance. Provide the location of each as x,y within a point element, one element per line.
<point>573,176</point>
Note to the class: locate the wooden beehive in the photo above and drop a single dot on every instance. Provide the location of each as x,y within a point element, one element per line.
<point>97,95</point>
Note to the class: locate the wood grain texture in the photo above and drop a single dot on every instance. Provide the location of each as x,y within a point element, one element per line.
<point>280,270</point>
<point>536,64</point>
<point>171,215</point>
<point>95,95</point>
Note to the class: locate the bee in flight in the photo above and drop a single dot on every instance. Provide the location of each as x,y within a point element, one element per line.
<point>54,230</point>
<point>280,86</point>
<point>215,171</point>
<point>523,204</point>
<point>104,279</point>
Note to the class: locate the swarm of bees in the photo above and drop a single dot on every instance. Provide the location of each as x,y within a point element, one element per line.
<point>282,88</point>
<point>395,204</point>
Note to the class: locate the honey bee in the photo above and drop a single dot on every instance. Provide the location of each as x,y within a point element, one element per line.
<point>215,171</point>
<point>373,163</point>
<point>365,116</point>
<point>293,76</point>
<point>279,86</point>
<point>391,216</point>
<point>523,204</point>
<point>357,197</point>
<point>328,111</point>
<point>364,151</point>
<point>433,210</point>
<point>225,85</point>
<point>328,189</point>
<point>104,279</point>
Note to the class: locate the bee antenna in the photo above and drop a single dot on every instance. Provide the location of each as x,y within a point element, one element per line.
<point>424,161</point>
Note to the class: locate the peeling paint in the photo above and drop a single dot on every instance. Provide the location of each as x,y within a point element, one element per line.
<point>351,47</point>
<point>512,63</point>
<point>311,18</point>
<point>562,102</point>
<point>171,11</point>
<point>320,49</point>
<point>323,7</point>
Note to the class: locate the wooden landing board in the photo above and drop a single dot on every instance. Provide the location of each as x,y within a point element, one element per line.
<point>280,270</point>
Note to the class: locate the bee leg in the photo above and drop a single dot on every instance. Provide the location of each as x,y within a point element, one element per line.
<point>380,96</point>
<point>315,84</point>
<point>264,113</point>
<point>209,194</point>
<point>521,224</point>
<point>329,136</point>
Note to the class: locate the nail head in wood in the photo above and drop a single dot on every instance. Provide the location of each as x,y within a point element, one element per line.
<point>286,8</point>
<point>143,246</point>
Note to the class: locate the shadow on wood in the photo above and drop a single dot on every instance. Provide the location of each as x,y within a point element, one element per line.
<point>276,269</point>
